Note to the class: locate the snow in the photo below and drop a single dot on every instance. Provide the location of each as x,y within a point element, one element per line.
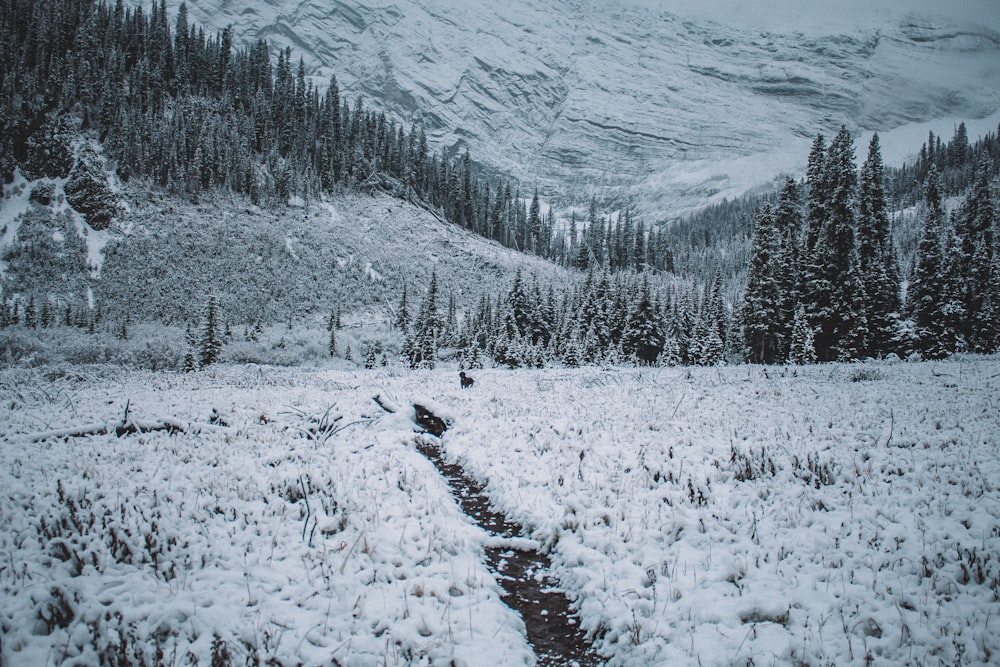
<point>17,195</point>
<point>827,18</point>
<point>833,514</point>
<point>290,246</point>
<point>96,240</point>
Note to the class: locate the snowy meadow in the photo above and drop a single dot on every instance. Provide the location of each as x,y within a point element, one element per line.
<point>838,514</point>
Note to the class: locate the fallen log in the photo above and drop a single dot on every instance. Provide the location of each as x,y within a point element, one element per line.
<point>127,426</point>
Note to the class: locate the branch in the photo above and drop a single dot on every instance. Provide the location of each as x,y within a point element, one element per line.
<point>125,427</point>
<point>385,403</point>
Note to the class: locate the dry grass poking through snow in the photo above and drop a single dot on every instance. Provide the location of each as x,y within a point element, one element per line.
<point>830,515</point>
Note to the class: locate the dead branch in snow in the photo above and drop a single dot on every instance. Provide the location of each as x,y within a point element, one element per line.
<point>127,426</point>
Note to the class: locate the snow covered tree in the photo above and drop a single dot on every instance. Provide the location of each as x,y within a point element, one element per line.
<point>642,338</point>
<point>211,339</point>
<point>953,290</point>
<point>762,322</point>
<point>31,313</point>
<point>49,148</point>
<point>815,289</point>
<point>847,324</point>
<point>876,255</point>
<point>788,226</point>
<point>534,240</point>
<point>800,349</point>
<point>975,227</point>
<point>928,281</point>
<point>706,345</point>
<point>427,329</point>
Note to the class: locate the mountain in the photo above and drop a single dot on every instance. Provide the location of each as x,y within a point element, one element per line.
<point>669,104</point>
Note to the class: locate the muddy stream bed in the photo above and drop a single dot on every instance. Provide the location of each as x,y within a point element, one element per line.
<point>553,631</point>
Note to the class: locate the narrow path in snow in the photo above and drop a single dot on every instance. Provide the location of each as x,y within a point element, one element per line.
<point>553,631</point>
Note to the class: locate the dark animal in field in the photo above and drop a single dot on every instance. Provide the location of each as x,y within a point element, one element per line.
<point>466,380</point>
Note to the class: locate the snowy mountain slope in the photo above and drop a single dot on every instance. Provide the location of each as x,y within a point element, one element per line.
<point>354,252</point>
<point>674,102</point>
<point>165,255</point>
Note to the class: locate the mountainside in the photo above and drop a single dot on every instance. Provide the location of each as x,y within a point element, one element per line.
<point>671,103</point>
<point>163,256</point>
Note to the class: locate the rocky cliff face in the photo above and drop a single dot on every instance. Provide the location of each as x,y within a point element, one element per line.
<point>670,103</point>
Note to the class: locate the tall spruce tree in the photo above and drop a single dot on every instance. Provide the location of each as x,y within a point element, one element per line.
<point>428,327</point>
<point>763,337</point>
<point>642,337</point>
<point>877,256</point>
<point>928,281</point>
<point>801,349</point>
<point>975,227</point>
<point>815,284</point>
<point>211,334</point>
<point>788,227</point>
<point>842,319</point>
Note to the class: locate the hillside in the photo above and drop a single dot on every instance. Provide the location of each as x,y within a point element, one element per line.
<point>144,187</point>
<point>165,255</point>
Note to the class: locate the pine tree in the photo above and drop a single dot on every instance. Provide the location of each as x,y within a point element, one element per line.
<point>211,341</point>
<point>975,227</point>
<point>31,313</point>
<point>332,345</point>
<point>642,338</point>
<point>953,290</point>
<point>190,364</point>
<point>428,328</point>
<point>402,321</point>
<point>715,312</point>
<point>848,321</point>
<point>535,226</point>
<point>788,225</point>
<point>876,255</point>
<point>928,281</point>
<point>762,322</point>
<point>801,349</point>
<point>815,284</point>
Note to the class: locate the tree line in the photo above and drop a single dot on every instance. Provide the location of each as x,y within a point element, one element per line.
<point>605,317</point>
<point>824,281</point>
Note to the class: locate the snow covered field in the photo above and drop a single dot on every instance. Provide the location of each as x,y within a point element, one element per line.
<point>835,514</point>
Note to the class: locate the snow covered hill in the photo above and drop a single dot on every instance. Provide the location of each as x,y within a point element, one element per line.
<point>675,103</point>
<point>164,255</point>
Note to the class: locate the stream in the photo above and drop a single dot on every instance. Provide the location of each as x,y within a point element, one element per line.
<point>553,631</point>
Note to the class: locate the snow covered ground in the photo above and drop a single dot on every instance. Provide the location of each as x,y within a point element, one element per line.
<point>835,514</point>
